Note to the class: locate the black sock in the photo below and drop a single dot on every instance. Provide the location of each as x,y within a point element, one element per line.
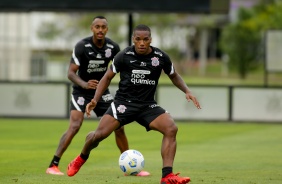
<point>55,161</point>
<point>166,171</point>
<point>84,157</point>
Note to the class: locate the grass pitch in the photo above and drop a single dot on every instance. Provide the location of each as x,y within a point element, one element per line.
<point>222,153</point>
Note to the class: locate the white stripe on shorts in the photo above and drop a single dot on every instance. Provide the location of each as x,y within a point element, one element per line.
<point>114,110</point>
<point>74,103</point>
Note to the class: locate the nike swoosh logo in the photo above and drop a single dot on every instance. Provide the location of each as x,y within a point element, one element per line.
<point>133,61</point>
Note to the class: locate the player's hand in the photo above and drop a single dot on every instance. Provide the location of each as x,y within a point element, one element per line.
<point>92,84</point>
<point>189,97</point>
<point>89,107</point>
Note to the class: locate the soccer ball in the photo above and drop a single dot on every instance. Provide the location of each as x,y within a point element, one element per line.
<point>131,162</point>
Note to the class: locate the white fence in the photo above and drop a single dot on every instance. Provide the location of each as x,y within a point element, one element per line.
<point>219,103</point>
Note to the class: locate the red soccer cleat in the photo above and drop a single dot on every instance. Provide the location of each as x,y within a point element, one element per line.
<point>174,179</point>
<point>75,165</point>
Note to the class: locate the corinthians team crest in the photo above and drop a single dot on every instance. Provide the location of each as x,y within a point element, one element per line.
<point>121,108</point>
<point>80,101</point>
<point>108,53</point>
<point>155,61</point>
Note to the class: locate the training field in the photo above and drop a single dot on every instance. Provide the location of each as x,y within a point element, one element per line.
<point>221,153</point>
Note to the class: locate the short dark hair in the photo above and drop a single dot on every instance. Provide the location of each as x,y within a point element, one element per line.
<point>142,27</point>
<point>99,17</point>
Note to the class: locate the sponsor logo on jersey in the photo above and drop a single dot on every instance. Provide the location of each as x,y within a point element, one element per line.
<point>143,64</point>
<point>101,69</point>
<point>108,53</point>
<point>94,66</point>
<point>110,45</point>
<point>141,71</point>
<point>130,53</point>
<point>107,97</point>
<point>121,108</point>
<point>88,45</point>
<point>97,61</point>
<point>80,101</point>
<point>158,53</point>
<point>153,106</point>
<point>139,77</point>
<point>155,61</point>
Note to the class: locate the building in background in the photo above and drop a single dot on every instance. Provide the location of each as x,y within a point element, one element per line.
<point>21,58</point>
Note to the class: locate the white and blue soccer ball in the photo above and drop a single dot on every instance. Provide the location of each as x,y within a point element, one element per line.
<point>131,162</point>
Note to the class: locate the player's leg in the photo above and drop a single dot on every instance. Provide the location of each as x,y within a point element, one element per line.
<point>106,126</point>
<point>76,118</point>
<point>120,136</point>
<point>166,125</point>
<point>122,143</point>
<point>100,109</point>
<point>121,139</point>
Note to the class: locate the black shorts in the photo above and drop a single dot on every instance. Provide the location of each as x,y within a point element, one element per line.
<point>127,112</point>
<point>80,100</point>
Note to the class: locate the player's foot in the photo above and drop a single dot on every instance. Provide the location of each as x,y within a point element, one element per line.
<point>75,165</point>
<point>54,170</point>
<point>142,173</point>
<point>174,179</point>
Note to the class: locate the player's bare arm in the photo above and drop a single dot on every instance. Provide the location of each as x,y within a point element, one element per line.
<point>89,107</point>
<point>179,82</point>
<point>73,68</point>
<point>104,84</point>
<point>92,84</point>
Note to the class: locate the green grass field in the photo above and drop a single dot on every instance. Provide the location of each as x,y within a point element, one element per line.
<point>222,153</point>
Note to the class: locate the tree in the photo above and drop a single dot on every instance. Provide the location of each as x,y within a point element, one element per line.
<point>74,26</point>
<point>243,40</point>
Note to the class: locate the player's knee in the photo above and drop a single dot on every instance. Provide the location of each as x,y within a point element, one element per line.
<point>74,128</point>
<point>119,131</point>
<point>172,129</point>
<point>90,135</point>
<point>96,136</point>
